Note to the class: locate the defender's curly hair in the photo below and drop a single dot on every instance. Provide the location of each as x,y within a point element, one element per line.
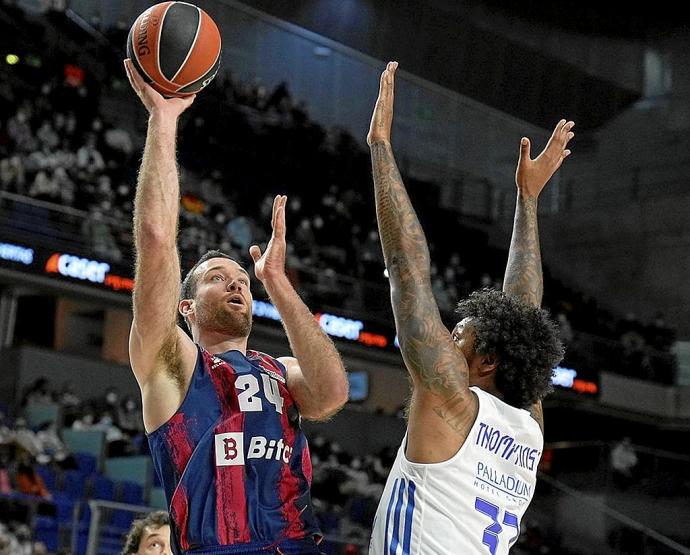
<point>524,338</point>
<point>156,519</point>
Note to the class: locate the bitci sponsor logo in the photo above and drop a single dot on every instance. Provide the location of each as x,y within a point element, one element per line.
<point>230,449</point>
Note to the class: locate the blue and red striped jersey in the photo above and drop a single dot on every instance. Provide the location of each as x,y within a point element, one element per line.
<point>233,460</point>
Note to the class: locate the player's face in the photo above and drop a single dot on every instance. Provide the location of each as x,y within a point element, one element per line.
<point>155,541</point>
<point>223,301</point>
<point>463,336</point>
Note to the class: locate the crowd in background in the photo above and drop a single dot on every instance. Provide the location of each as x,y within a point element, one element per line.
<point>345,488</point>
<point>240,144</point>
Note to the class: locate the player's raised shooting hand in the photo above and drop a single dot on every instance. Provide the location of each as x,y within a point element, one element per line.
<point>154,102</point>
<point>532,175</point>
<point>382,119</point>
<point>271,264</point>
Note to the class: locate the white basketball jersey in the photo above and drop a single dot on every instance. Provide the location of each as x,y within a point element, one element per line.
<point>473,502</point>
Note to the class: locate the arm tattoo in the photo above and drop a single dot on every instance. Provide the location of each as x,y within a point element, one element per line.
<point>426,345</point>
<point>523,277</point>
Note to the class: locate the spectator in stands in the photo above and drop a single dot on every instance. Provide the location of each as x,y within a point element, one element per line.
<point>28,480</point>
<point>109,401</point>
<point>129,416</point>
<point>52,447</point>
<point>19,130</point>
<point>659,335</point>
<point>68,397</point>
<point>623,463</point>
<point>12,177</point>
<point>38,393</point>
<point>5,483</point>
<point>149,536</point>
<point>26,438</point>
<point>100,237</point>
<point>89,159</point>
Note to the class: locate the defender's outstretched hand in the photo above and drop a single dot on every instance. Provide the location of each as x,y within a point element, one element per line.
<point>382,119</point>
<point>531,175</point>
<point>271,263</point>
<point>152,99</point>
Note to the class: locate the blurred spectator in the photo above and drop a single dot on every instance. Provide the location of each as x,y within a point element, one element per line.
<point>623,463</point>
<point>659,335</point>
<point>89,159</point>
<point>98,233</point>
<point>129,416</point>
<point>12,177</point>
<point>5,484</point>
<point>67,396</point>
<point>37,393</point>
<point>52,448</point>
<point>28,480</point>
<point>26,438</point>
<point>239,230</point>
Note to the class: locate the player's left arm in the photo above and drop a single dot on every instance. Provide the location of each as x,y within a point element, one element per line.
<point>442,408</point>
<point>523,277</point>
<point>315,375</point>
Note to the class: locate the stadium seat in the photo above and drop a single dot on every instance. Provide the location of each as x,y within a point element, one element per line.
<point>73,484</point>
<point>86,462</point>
<point>131,493</point>
<point>64,507</point>
<point>103,488</point>
<point>48,476</point>
<point>120,519</point>
<point>46,530</point>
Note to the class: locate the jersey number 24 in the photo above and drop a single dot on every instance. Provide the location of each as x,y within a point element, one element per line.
<point>249,400</point>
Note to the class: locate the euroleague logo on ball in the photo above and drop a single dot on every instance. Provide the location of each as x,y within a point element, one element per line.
<point>143,38</point>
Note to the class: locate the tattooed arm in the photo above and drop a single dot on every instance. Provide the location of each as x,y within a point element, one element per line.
<point>443,408</point>
<point>523,277</point>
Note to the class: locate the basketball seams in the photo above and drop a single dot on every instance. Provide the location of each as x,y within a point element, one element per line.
<point>158,42</point>
<point>220,50</point>
<point>191,48</point>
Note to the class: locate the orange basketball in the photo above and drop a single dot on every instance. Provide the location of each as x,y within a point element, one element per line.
<point>176,47</point>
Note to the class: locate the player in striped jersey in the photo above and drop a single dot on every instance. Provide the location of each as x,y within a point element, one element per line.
<point>223,421</point>
<point>466,469</point>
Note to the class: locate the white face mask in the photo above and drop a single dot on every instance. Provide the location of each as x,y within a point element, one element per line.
<point>111,398</point>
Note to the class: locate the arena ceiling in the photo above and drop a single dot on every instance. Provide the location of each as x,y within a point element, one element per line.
<point>439,41</point>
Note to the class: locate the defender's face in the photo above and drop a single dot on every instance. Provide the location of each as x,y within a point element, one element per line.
<point>155,541</point>
<point>464,338</point>
<point>223,301</point>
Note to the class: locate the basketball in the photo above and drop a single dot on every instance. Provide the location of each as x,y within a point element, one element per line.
<point>176,48</point>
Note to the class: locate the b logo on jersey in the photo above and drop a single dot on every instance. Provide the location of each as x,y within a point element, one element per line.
<point>230,449</point>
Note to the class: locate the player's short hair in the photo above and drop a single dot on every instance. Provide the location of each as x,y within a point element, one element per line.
<point>524,338</point>
<point>188,288</point>
<point>156,519</point>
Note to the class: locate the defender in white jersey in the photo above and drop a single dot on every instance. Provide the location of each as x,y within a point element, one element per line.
<point>466,469</point>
